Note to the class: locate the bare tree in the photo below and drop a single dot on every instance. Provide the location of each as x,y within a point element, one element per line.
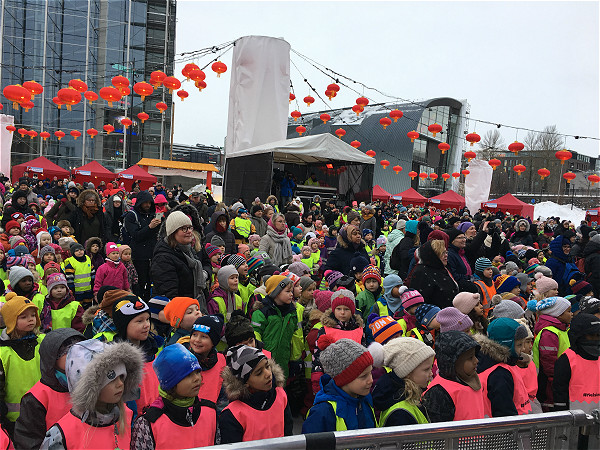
<point>531,141</point>
<point>491,145</point>
<point>549,140</point>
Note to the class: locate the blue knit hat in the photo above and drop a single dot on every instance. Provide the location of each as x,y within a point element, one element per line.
<point>173,364</point>
<point>367,231</point>
<point>425,313</point>
<point>506,331</point>
<point>507,284</point>
<point>481,264</point>
<point>411,226</point>
<point>296,231</point>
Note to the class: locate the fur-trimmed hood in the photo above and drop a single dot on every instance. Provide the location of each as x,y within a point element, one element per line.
<point>236,390</point>
<point>89,314</point>
<point>498,353</point>
<point>83,195</point>
<point>91,241</point>
<point>328,320</point>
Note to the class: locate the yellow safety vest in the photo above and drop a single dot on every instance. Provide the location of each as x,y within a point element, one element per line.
<point>243,226</point>
<point>563,343</point>
<point>62,318</point>
<point>83,274</point>
<point>413,410</point>
<point>340,424</point>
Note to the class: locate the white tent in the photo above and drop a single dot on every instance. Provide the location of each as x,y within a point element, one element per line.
<point>319,148</point>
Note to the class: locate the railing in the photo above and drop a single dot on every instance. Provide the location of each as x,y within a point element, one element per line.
<point>549,431</point>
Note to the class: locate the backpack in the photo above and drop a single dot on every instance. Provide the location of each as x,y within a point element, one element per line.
<point>124,235</point>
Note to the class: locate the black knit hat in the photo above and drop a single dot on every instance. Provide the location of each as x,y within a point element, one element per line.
<point>238,329</point>
<point>125,310</point>
<point>211,325</point>
<point>583,324</point>
<point>452,234</point>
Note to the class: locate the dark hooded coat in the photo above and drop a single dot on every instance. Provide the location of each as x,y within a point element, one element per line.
<point>143,238</point>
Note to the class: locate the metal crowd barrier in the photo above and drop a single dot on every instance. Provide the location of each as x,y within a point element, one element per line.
<point>548,431</point>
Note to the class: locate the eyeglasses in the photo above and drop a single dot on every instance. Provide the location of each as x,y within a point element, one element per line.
<point>186,228</point>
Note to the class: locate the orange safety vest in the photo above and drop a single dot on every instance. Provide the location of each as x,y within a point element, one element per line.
<point>148,388</point>
<point>468,404</point>
<point>79,435</point>
<point>520,393</point>
<point>210,389</point>
<point>56,404</point>
<point>355,335</point>
<point>488,293</point>
<point>584,386</point>
<point>530,378</point>
<point>169,435</point>
<point>261,424</point>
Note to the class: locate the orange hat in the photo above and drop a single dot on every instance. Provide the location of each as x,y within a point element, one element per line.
<point>15,306</point>
<point>175,309</point>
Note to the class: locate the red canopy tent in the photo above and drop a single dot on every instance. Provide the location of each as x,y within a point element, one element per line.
<point>93,172</point>
<point>592,215</point>
<point>43,167</point>
<point>448,199</point>
<point>135,172</point>
<point>510,203</point>
<point>409,197</point>
<point>380,193</point>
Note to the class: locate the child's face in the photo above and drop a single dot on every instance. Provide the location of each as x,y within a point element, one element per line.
<point>519,346</point>
<point>215,258</point>
<point>527,345</point>
<point>139,327</point>
<point>307,294</point>
<point>371,284</point>
<point>244,215</point>
<point>26,284</point>
<point>190,385</point>
<point>191,314</point>
<point>57,235</point>
<point>382,249</point>
<point>343,313</point>
<point>368,237</point>
<point>314,246</point>
<point>285,297</point>
<point>113,391</point>
<point>222,248</point>
<point>59,291</point>
<point>246,255</point>
<point>34,230</point>
<point>46,258</point>
<point>126,255</point>
<point>79,253</point>
<point>478,309</point>
<point>232,282</point>
<point>395,291</point>
<point>250,342</point>
<point>14,231</point>
<point>487,273</point>
<point>422,374</point>
<point>411,310</point>
<point>61,362</point>
<point>200,343</point>
<point>297,290</point>
<point>361,385</point>
<point>95,248</point>
<point>31,266</point>
<point>566,316</point>
<point>2,255</point>
<point>466,364</point>
<point>113,256</point>
<point>256,243</point>
<point>243,270</point>
<point>306,252</point>
<point>551,293</point>
<point>45,239</point>
<point>66,230</point>
<point>299,237</point>
<point>516,290</point>
<point>26,321</point>
<point>497,261</point>
<point>261,378</point>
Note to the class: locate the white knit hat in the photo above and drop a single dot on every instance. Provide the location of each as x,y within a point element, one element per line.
<point>405,354</point>
<point>176,220</point>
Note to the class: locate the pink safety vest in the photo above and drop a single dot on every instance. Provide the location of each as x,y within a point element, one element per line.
<point>5,443</point>
<point>210,389</point>
<point>261,424</point>
<point>148,388</point>
<point>168,435</point>
<point>81,436</point>
<point>468,404</point>
<point>530,378</point>
<point>584,387</point>
<point>520,392</point>
<point>356,334</point>
<point>57,404</point>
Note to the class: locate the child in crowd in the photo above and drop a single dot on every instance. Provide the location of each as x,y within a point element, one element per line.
<point>544,287</point>
<point>357,265</point>
<point>244,250</point>
<point>253,243</point>
<point>528,370</point>
<point>344,401</point>
<point>55,233</point>
<point>307,258</point>
<point>48,400</point>
<point>181,313</point>
<point>101,378</point>
<point>132,275</point>
<point>30,264</point>
<point>66,228</point>
<point>456,392</point>
<point>214,255</point>
<point>43,239</point>
<point>241,226</point>
<point>60,309</point>
<point>80,275</point>
<point>3,269</point>
<point>485,284</point>
<point>245,287</point>
<point>371,278</point>
<point>370,244</point>
<point>390,303</point>
<point>98,318</point>
<point>452,319</point>
<point>397,393</point>
<point>224,300</point>
<point>21,283</point>
<point>258,407</point>
<point>93,248</point>
<point>470,304</point>
<point>47,254</point>
<point>378,253</point>
<point>314,245</point>
<point>176,414</point>
<point>411,300</point>
<point>13,228</point>
<point>112,272</point>
<point>509,287</point>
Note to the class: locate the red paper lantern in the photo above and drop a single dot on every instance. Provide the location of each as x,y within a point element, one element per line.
<point>434,128</point>
<point>384,163</point>
<point>325,117</point>
<point>120,82</point>
<point>301,129</point>
<point>397,169</point>
<point>362,101</point>
<point>519,168</point>
<point>296,115</point>
<point>473,138</point>
<point>433,176</point>
<point>110,94</point>
<point>470,155</point>
<point>355,144</point>
<point>358,109</point>
<point>413,135</point>
<point>171,83</point>
<point>108,128</point>
<point>309,100</point>
<point>516,147</point>
<point>455,175</point>
<point>370,153</point>
<point>90,96</point>
<point>196,75</point>
<point>27,105</point>
<point>182,94</point>
<point>143,116</point>
<point>494,163</point>
<point>569,176</point>
<point>126,122</point>
<point>333,88</point>
<point>340,132</point>
<point>446,176</point>
<point>465,172</point>
<point>45,135</point>
<point>32,133</point>
<point>57,102</point>
<point>59,134</point>
<point>157,77</point>
<point>22,132</point>
<point>33,87</point>
<point>412,174</point>
<point>69,97</point>
<point>125,92</point>
<point>200,85</point>
<point>543,173</point>
<point>423,176</point>
<point>219,68</point>
<point>594,179</point>
<point>444,147</point>
<point>16,94</point>
<point>292,97</point>
<point>92,132</point>
<point>187,69</point>
<point>396,114</point>
<point>11,128</point>
<point>143,89</point>
<point>385,121</point>
<point>563,155</point>
<point>162,107</point>
<point>78,85</point>
<point>75,134</point>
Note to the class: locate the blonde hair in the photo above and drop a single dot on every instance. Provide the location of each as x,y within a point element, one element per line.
<point>412,392</point>
<point>439,247</point>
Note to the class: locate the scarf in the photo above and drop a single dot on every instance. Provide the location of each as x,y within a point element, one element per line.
<point>282,250</point>
<point>411,321</point>
<point>461,253</point>
<point>90,211</point>
<point>270,224</point>
<point>196,267</point>
<point>185,402</point>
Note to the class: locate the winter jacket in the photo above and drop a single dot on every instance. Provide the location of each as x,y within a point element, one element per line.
<point>394,239</point>
<point>563,270</point>
<point>226,235</point>
<point>143,238</point>
<point>403,254</point>
<point>388,391</point>
<point>591,253</point>
<point>61,210</point>
<point>365,301</point>
<point>76,321</point>
<point>260,225</point>
<point>14,207</point>
<point>548,348</point>
<point>87,227</point>
<point>113,219</point>
<point>368,222</point>
<point>170,272</point>
<point>339,259</point>
<point>111,274</point>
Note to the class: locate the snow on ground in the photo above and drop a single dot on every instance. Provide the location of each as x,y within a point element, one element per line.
<point>551,209</point>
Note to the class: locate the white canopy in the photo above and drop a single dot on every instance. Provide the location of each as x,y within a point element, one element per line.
<point>320,148</point>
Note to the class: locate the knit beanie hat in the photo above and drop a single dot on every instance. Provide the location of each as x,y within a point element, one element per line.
<point>551,306</point>
<point>511,268</point>
<point>506,331</point>
<point>122,248</point>
<point>29,259</point>
<point>242,359</point>
<point>75,246</point>
<point>173,364</point>
<point>482,263</point>
<point>108,295</point>
<point>530,270</point>
<point>583,324</point>
<point>581,287</point>
<point>217,241</point>
<point>401,224</point>
<point>15,261</point>
<point>532,261</point>
<point>176,220</point>
<point>358,263</point>
<point>411,297</point>
<point>15,306</point>
<point>210,325</point>
<point>524,280</point>
<point>544,270</point>
<point>235,260</point>
<point>381,240</point>
<point>465,226</point>
<point>452,319</point>
<point>15,241</point>
<point>306,282</point>
<point>111,247</point>
<point>371,272</point>
<point>508,308</point>
<point>343,360</point>
<point>465,301</point>
<point>10,225</point>
<point>411,226</point>
<point>453,233</point>
<point>254,263</point>
<point>175,309</point>
<point>56,279</point>
<point>331,276</point>
<point>404,354</point>
<point>322,300</point>
<point>125,310</point>
<point>238,329</point>
<point>292,276</point>
<point>384,328</point>
<point>544,284</point>
<point>299,268</point>
<point>343,297</point>
<point>253,237</point>
<point>295,231</point>
<point>276,284</point>
<point>426,313</point>
<point>45,250</point>
<point>242,248</point>
<point>55,266</point>
<point>17,273</point>
<point>589,305</point>
<point>506,283</point>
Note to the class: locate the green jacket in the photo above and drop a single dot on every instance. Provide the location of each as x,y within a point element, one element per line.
<point>275,329</point>
<point>364,302</point>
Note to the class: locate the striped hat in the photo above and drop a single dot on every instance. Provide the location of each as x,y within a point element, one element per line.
<point>12,261</point>
<point>254,263</point>
<point>530,270</point>
<point>371,272</point>
<point>211,250</point>
<point>482,263</point>
<point>384,328</point>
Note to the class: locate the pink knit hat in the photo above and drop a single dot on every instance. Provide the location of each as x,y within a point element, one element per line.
<point>452,319</point>
<point>323,300</point>
<point>544,284</point>
<point>411,298</point>
<point>465,301</point>
<point>111,247</point>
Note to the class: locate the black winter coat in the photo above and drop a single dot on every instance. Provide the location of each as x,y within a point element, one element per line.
<point>171,275</point>
<point>591,253</point>
<point>227,236</point>
<point>339,258</point>
<point>401,256</point>
<point>61,211</point>
<point>143,238</point>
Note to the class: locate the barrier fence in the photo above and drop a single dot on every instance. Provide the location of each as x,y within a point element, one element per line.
<point>549,431</point>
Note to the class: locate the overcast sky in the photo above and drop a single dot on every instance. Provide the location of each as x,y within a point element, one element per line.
<point>527,64</point>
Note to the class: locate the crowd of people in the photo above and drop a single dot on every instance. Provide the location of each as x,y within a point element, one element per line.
<point>155,319</point>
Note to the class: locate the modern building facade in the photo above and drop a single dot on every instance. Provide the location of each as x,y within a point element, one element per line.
<point>393,144</point>
<point>55,41</point>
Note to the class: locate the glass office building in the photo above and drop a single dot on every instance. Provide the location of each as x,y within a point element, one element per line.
<point>55,41</point>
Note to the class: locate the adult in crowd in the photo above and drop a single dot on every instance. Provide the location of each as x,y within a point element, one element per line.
<point>380,220</point>
<point>256,217</point>
<point>349,243</point>
<point>199,202</point>
<point>113,217</point>
<point>367,218</point>
<point>404,251</point>
<point>142,226</point>
<point>18,204</point>
<point>87,219</point>
<point>292,215</point>
<point>276,242</point>
<point>458,265</point>
<point>561,265</point>
<point>287,188</point>
<point>522,236</point>
<point>64,207</point>
<point>393,239</point>
<point>591,253</point>
<point>219,222</point>
<point>330,213</point>
<point>24,186</point>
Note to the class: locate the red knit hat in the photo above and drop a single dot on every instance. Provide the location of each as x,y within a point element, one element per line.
<point>343,297</point>
<point>371,272</point>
